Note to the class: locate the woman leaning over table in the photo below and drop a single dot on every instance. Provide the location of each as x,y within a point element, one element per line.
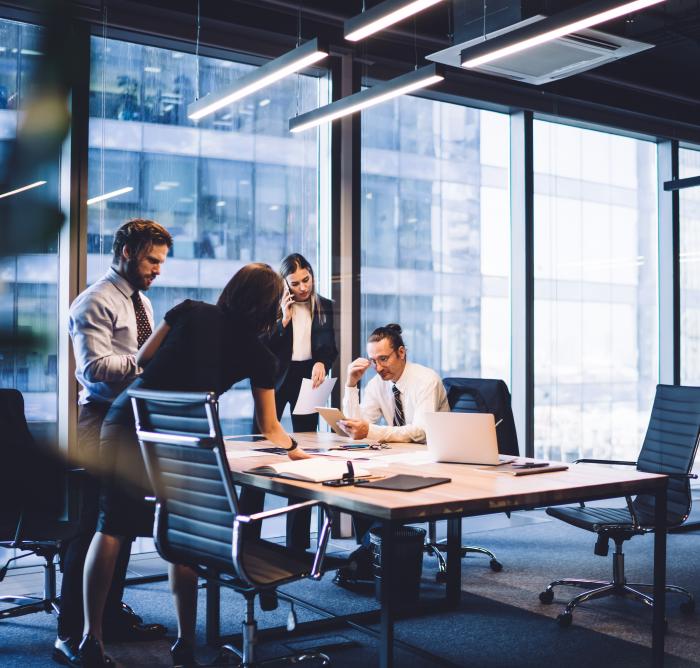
<point>303,341</point>
<point>198,347</point>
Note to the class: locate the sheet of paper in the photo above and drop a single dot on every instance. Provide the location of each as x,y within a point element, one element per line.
<point>235,453</point>
<point>415,458</point>
<point>309,397</point>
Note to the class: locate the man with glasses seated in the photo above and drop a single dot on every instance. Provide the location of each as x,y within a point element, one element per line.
<point>400,394</point>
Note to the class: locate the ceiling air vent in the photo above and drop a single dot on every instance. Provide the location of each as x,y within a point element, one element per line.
<point>550,61</point>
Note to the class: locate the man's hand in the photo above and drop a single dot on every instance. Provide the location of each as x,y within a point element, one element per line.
<point>355,429</point>
<point>356,370</point>
<point>287,304</point>
<point>318,374</point>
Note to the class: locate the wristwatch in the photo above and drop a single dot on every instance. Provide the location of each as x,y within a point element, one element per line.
<point>294,444</point>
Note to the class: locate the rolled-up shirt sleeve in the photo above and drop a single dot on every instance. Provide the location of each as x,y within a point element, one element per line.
<point>92,333</point>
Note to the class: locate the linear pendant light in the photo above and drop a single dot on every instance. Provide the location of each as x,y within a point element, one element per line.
<point>293,61</point>
<point>36,184</point>
<point>109,195</point>
<point>382,16</point>
<point>551,28</point>
<point>406,83</point>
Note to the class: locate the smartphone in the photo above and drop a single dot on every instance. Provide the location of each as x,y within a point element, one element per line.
<point>339,483</point>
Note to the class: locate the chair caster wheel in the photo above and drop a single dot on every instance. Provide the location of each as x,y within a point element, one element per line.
<point>688,607</point>
<point>547,596</point>
<point>564,619</point>
<point>441,577</point>
<point>496,566</point>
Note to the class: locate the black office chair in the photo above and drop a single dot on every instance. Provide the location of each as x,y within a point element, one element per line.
<point>32,487</point>
<point>197,515</point>
<point>477,395</point>
<point>669,447</point>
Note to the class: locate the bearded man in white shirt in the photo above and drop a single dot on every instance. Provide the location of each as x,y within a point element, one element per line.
<point>401,392</point>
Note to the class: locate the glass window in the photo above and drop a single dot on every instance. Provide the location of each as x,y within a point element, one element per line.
<point>28,282</point>
<point>234,188</point>
<point>436,233</point>
<point>689,203</point>
<point>596,323</point>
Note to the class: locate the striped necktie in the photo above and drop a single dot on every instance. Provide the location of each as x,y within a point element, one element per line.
<point>399,419</point>
<point>143,327</point>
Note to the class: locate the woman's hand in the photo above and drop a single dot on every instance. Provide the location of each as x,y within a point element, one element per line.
<point>287,304</point>
<point>298,453</point>
<point>318,374</point>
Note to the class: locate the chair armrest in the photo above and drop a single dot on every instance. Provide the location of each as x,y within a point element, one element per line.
<point>259,517</point>
<point>617,462</point>
<point>316,572</point>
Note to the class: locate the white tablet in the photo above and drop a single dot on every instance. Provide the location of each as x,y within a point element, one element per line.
<point>331,416</point>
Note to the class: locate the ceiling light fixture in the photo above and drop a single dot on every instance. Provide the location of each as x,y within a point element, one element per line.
<point>564,23</point>
<point>22,189</point>
<point>406,83</point>
<point>109,195</point>
<point>382,16</point>
<point>293,61</point>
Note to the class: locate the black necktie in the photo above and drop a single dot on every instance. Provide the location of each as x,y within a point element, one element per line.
<point>143,327</point>
<point>399,419</point>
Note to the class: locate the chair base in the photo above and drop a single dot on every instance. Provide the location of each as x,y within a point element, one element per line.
<point>617,587</point>
<point>26,605</point>
<point>310,658</point>
<point>437,548</point>
<point>245,657</point>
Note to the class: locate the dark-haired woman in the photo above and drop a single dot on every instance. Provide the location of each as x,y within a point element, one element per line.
<point>303,339</point>
<point>199,347</point>
<point>304,342</point>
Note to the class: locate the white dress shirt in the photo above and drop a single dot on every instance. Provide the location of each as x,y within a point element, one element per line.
<point>422,392</point>
<point>301,331</point>
<point>102,327</point>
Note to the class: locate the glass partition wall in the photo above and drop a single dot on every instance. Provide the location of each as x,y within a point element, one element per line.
<point>595,263</point>
<point>233,188</point>
<point>435,252</point>
<point>689,206</point>
<point>28,282</point>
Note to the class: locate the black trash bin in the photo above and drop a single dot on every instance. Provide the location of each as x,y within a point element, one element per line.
<point>408,547</point>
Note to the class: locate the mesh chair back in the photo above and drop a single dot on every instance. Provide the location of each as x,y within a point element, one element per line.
<point>181,442</point>
<point>670,446</point>
<point>485,395</point>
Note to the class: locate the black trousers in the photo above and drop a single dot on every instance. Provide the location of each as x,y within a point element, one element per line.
<point>70,619</point>
<point>298,522</point>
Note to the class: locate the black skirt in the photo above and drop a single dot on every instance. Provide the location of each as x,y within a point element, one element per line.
<point>123,508</point>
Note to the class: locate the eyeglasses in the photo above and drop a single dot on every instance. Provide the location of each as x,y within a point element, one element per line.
<point>381,360</point>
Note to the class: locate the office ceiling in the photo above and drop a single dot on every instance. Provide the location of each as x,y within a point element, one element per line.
<point>662,83</point>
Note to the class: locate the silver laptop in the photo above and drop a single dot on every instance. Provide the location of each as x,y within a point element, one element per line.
<point>462,438</point>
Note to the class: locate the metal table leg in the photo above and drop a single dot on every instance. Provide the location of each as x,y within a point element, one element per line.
<point>388,574</point>
<point>453,590</point>
<point>659,624</point>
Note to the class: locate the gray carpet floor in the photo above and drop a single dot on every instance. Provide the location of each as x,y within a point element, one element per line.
<point>500,621</point>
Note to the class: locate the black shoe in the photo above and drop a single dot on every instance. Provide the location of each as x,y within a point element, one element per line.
<point>127,626</point>
<point>358,574</point>
<point>65,652</point>
<point>182,654</point>
<point>91,655</point>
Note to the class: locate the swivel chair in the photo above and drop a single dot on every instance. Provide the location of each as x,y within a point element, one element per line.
<point>477,395</point>
<point>32,487</point>
<point>669,447</point>
<point>198,522</point>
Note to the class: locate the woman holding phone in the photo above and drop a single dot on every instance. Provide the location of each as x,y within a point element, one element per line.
<point>304,342</point>
<point>303,339</point>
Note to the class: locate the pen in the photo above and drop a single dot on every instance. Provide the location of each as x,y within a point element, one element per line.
<point>499,422</point>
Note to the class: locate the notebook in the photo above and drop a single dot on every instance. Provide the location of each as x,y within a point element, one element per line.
<point>316,469</point>
<point>516,468</point>
<point>404,483</point>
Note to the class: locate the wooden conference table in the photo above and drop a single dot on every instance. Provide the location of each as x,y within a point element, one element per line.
<point>470,492</point>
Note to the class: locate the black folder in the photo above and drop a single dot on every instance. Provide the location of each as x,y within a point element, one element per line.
<point>405,483</point>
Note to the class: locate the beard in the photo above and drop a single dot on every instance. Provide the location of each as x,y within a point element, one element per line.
<point>134,277</point>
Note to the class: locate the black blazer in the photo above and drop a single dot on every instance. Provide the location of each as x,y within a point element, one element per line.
<point>323,348</point>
